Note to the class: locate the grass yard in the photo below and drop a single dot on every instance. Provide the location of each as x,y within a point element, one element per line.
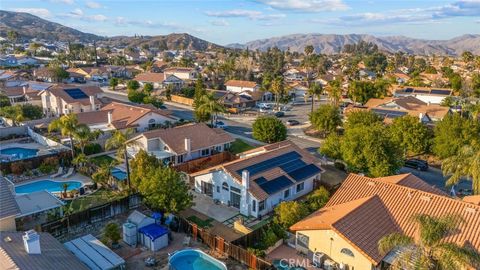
<point>103,159</point>
<point>239,146</point>
<point>200,222</point>
<point>99,197</point>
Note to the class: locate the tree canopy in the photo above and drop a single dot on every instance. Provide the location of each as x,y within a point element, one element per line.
<point>326,119</point>
<point>269,129</point>
<point>452,133</point>
<point>289,212</point>
<point>411,135</point>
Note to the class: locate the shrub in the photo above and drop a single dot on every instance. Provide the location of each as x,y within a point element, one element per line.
<point>269,129</point>
<point>51,161</point>
<point>339,165</point>
<point>17,168</point>
<point>93,148</point>
<point>46,168</point>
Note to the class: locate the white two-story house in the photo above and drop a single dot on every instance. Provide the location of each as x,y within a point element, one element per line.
<point>261,179</point>
<point>65,99</point>
<point>181,144</point>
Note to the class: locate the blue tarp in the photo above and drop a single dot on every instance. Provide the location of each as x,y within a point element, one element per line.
<point>153,231</point>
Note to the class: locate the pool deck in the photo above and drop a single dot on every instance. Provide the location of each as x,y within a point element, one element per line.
<point>75,177</point>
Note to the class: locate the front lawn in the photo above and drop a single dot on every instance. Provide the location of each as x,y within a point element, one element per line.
<point>99,197</point>
<point>239,146</point>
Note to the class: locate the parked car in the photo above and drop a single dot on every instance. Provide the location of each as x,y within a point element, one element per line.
<point>279,114</point>
<point>418,164</point>
<point>220,124</point>
<point>293,122</point>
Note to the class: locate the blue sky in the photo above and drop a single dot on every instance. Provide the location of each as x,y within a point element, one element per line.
<point>230,21</point>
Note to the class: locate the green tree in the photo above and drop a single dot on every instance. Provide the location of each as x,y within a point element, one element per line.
<point>133,85</point>
<point>103,174</point>
<point>452,133</point>
<point>318,198</point>
<point>31,112</point>
<point>164,189</point>
<point>278,89</point>
<point>209,105</point>
<point>468,56</point>
<point>148,88</point>
<point>13,113</point>
<point>113,83</point>
<point>59,73</point>
<point>475,84</point>
<point>315,90</point>
<point>141,165</point>
<point>411,135</point>
<point>362,117</point>
<point>334,90</point>
<point>362,91</point>
<point>466,163</point>
<point>111,233</point>
<point>120,141</point>
<point>269,129</point>
<point>429,250</point>
<point>456,82</point>
<point>289,212</point>
<point>136,96</point>
<point>331,146</point>
<point>65,187</point>
<point>83,136</point>
<point>326,119</point>
<point>67,124</point>
<point>371,150</point>
<point>4,101</point>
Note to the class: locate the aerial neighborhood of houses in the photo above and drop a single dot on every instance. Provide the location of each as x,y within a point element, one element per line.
<point>146,156</point>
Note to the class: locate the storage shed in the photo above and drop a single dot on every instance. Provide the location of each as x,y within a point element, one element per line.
<point>154,236</point>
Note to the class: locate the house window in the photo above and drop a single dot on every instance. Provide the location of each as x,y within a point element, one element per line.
<point>300,187</point>
<point>254,206</point>
<point>151,123</point>
<point>180,159</point>
<point>347,252</point>
<point>218,189</point>
<point>261,206</point>
<point>225,186</point>
<point>286,194</point>
<point>205,152</point>
<point>234,189</point>
<point>302,240</point>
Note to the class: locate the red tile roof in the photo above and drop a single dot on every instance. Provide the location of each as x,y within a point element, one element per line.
<point>238,83</point>
<point>365,209</point>
<point>150,77</point>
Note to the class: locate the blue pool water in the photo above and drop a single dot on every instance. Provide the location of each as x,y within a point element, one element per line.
<point>191,259</point>
<point>119,174</point>
<point>18,152</point>
<point>49,185</point>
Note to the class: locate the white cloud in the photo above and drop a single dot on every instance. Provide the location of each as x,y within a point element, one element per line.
<point>220,22</point>
<point>76,13</point>
<point>306,5</point>
<point>97,17</point>
<point>459,8</point>
<point>40,12</point>
<point>93,4</point>
<point>68,2</point>
<point>251,14</point>
<point>80,15</point>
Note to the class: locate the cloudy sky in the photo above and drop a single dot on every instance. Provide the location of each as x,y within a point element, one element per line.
<point>230,21</point>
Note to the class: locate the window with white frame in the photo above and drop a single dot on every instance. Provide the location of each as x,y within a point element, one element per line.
<point>300,187</point>
<point>261,206</point>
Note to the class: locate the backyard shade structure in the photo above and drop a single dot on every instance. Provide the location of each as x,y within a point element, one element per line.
<point>154,236</point>
<point>94,253</point>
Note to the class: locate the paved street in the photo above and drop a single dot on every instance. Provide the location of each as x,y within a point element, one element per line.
<point>435,178</point>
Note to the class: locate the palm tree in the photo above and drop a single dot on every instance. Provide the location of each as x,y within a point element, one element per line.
<point>80,160</point>
<point>83,136</point>
<point>315,90</point>
<point>428,250</point>
<point>65,188</point>
<point>464,164</point>
<point>103,174</point>
<point>67,124</point>
<point>278,89</point>
<point>210,105</point>
<point>119,141</point>
<point>334,91</point>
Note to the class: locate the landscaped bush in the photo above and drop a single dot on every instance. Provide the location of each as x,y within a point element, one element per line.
<point>339,165</point>
<point>20,167</point>
<point>51,161</point>
<point>46,168</point>
<point>93,148</point>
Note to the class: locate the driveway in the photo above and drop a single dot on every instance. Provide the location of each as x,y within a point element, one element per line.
<point>434,177</point>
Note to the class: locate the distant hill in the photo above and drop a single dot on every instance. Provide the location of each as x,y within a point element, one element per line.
<point>330,43</point>
<point>173,41</point>
<point>29,26</point>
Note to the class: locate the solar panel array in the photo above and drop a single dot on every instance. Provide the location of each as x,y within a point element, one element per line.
<point>408,90</point>
<point>76,93</point>
<point>389,114</point>
<point>291,163</point>
<point>421,91</point>
<point>440,92</point>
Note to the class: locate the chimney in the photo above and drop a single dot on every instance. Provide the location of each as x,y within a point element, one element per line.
<point>31,241</point>
<point>420,116</point>
<point>109,115</point>
<point>246,179</point>
<point>188,145</point>
<point>92,102</point>
<point>24,90</point>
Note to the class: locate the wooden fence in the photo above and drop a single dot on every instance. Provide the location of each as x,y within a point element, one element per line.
<point>182,100</point>
<point>224,248</point>
<point>205,162</point>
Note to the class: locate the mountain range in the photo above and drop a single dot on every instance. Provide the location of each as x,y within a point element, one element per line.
<point>29,26</point>
<point>331,43</point>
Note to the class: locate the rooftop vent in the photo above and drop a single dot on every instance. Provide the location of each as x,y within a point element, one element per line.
<point>31,241</point>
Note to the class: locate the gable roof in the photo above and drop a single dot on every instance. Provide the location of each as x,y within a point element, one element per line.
<point>200,135</point>
<point>239,83</point>
<point>88,90</point>
<point>400,202</point>
<point>272,168</point>
<point>151,77</point>
<point>8,204</point>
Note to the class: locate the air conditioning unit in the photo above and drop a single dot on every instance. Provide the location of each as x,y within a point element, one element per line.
<point>329,265</point>
<point>317,259</point>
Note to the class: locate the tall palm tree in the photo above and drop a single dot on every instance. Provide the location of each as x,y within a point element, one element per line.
<point>103,174</point>
<point>67,124</point>
<point>119,141</point>
<point>65,188</point>
<point>428,250</point>
<point>315,90</point>
<point>466,163</point>
<point>334,91</point>
<point>278,88</point>
<point>211,106</point>
<point>83,136</point>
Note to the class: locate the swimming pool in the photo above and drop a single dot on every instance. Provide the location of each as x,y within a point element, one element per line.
<point>119,174</point>
<point>16,153</point>
<point>48,185</point>
<point>194,259</point>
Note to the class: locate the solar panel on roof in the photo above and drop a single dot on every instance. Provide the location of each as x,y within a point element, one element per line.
<point>260,181</point>
<point>304,172</point>
<point>76,93</point>
<point>388,113</point>
<point>422,91</point>
<point>408,90</point>
<point>275,185</point>
<point>440,92</point>
<point>270,163</point>
<point>292,165</point>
